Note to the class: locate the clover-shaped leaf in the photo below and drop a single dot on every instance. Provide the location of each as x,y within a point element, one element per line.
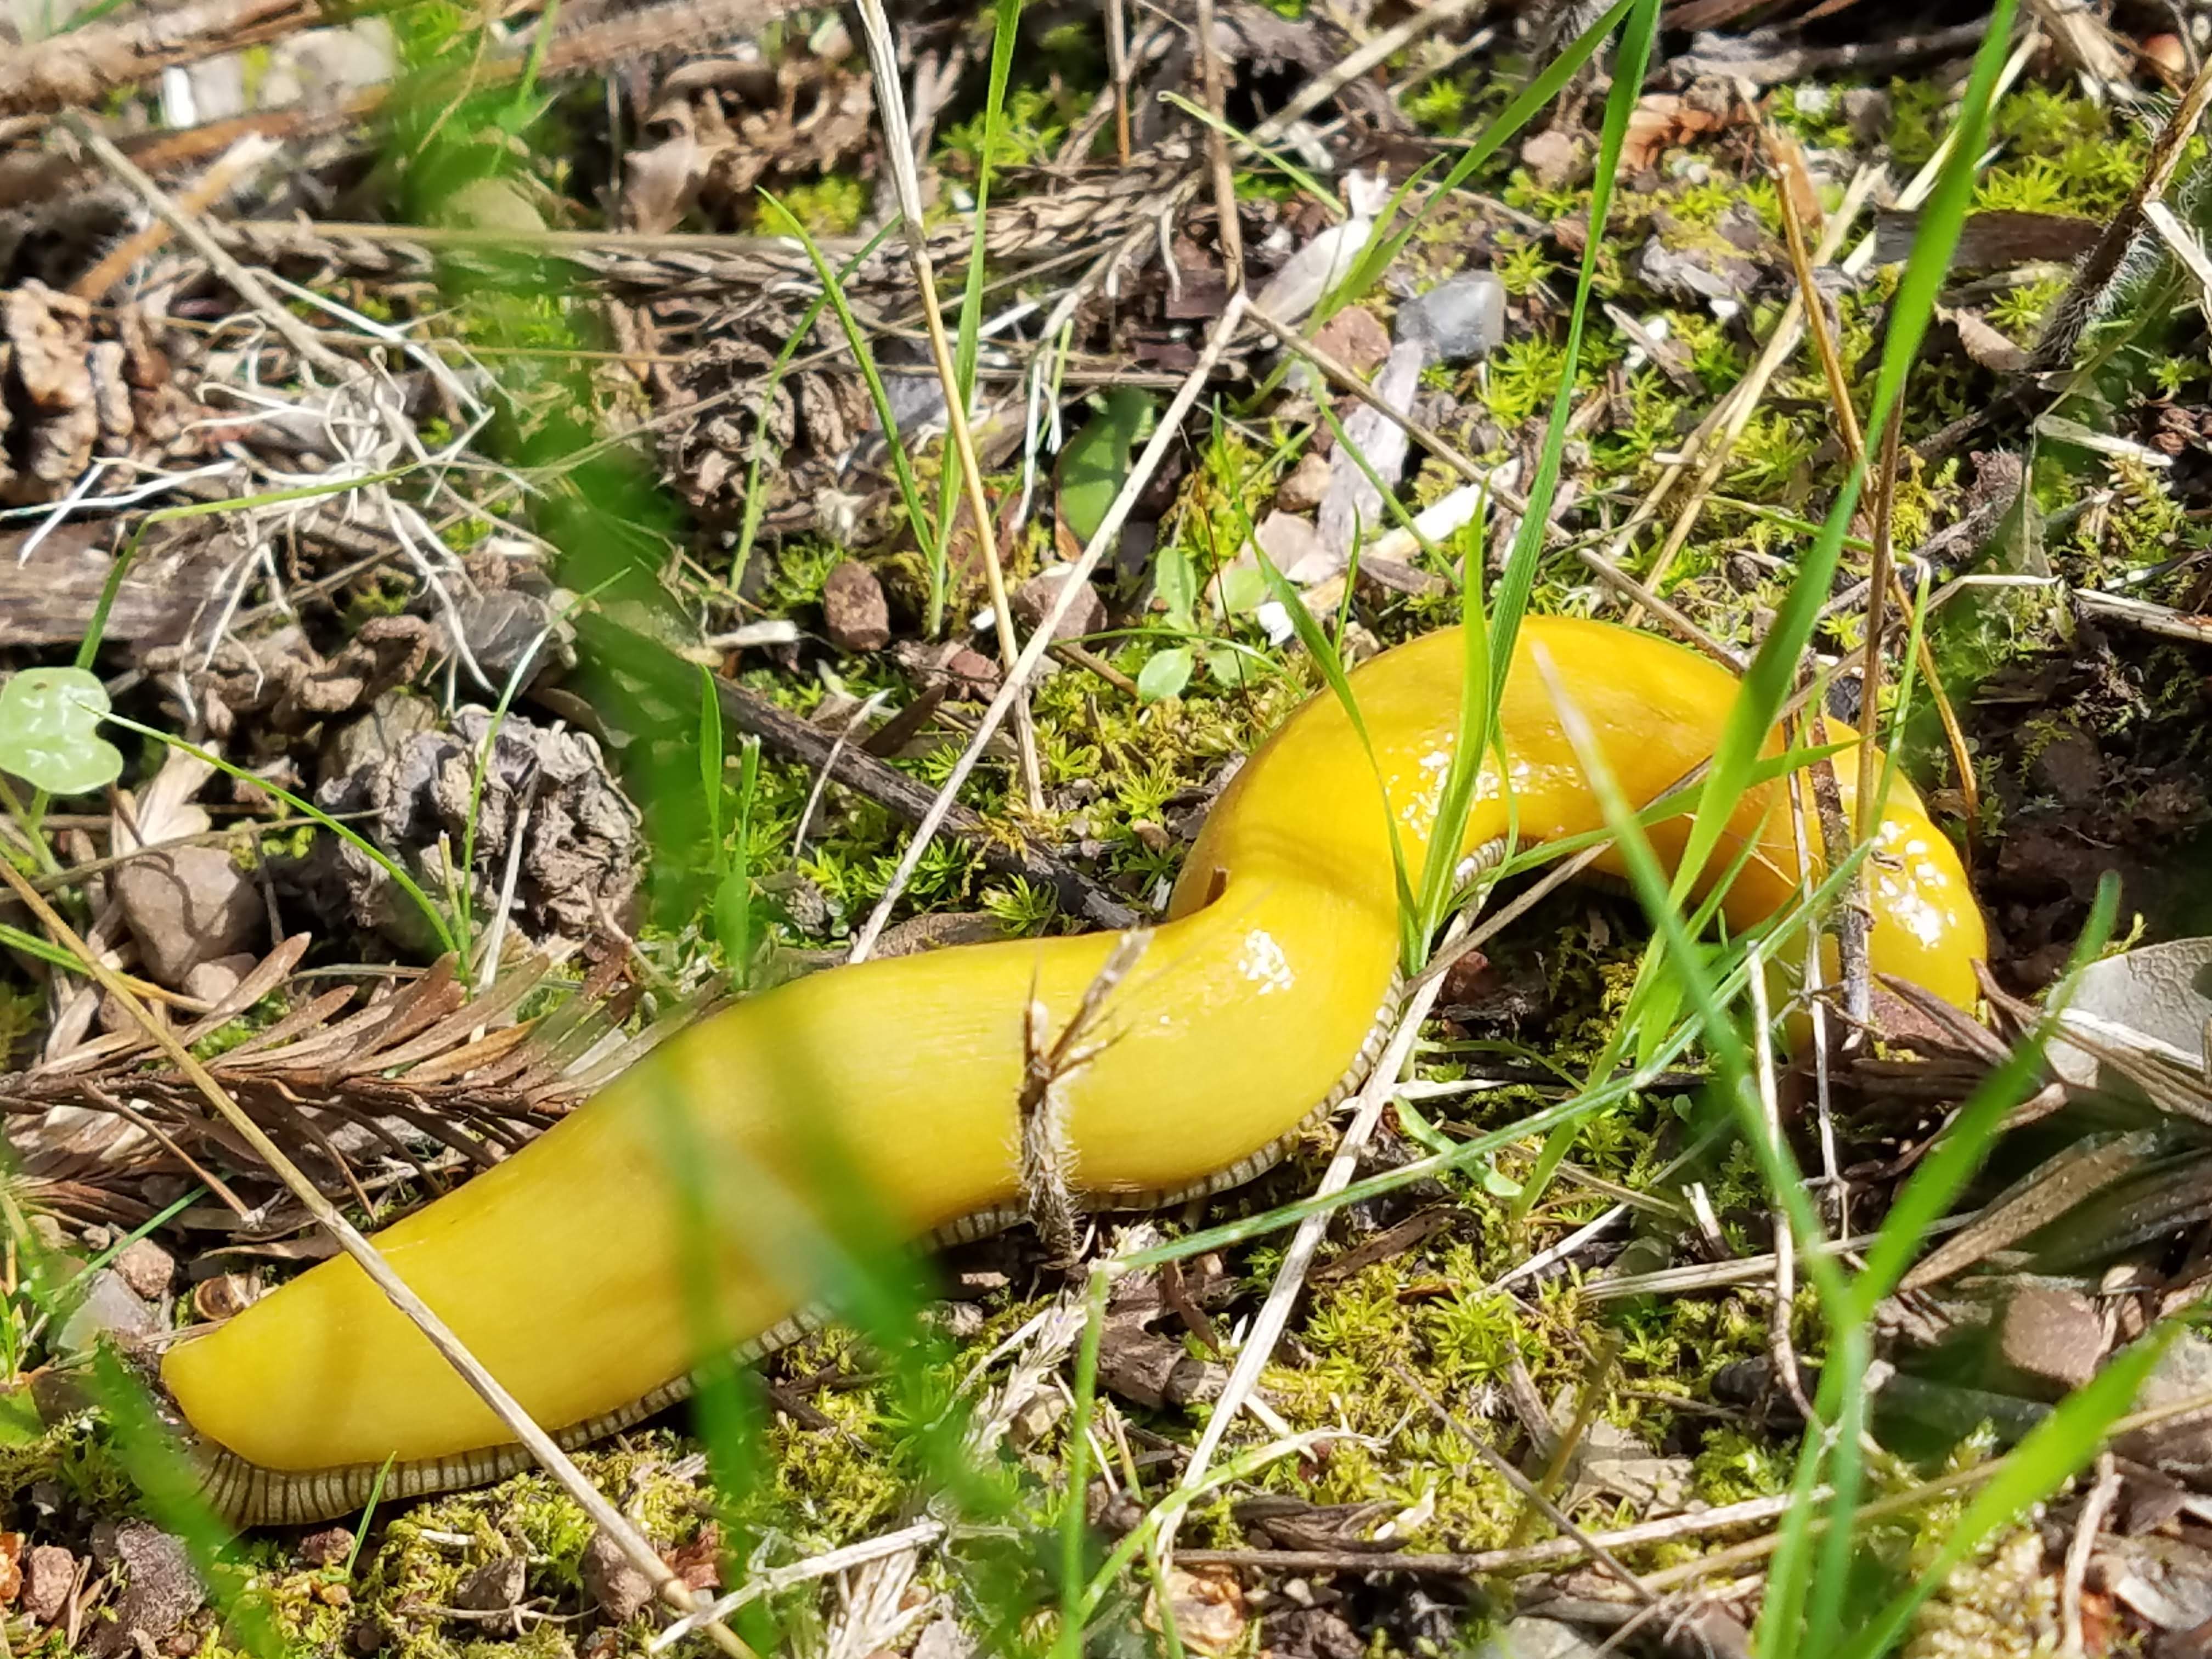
<point>50,731</point>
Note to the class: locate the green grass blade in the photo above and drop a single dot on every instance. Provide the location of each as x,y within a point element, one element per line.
<point>1323,651</point>
<point>1773,671</point>
<point>1927,1197</point>
<point>918,514</point>
<point>2054,1451</point>
<point>1381,256</point>
<point>710,772</point>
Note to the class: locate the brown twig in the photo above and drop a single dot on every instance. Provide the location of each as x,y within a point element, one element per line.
<point>85,65</point>
<point>650,662</point>
<point>1217,149</point>
<point>187,226</point>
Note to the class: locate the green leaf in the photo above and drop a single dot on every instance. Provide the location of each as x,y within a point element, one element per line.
<point>1176,583</point>
<point>19,1423</point>
<point>50,731</point>
<point>1096,463</point>
<point>1242,590</point>
<point>1166,675</point>
<point>1227,664</point>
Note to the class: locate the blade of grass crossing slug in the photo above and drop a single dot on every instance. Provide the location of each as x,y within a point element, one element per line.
<point>2054,1451</point>
<point>368,1511</point>
<point>1730,1059</point>
<point>1333,669</point>
<point>1323,651</point>
<point>1766,683</point>
<point>723,1414</point>
<point>1927,1195</point>
<point>1514,116</point>
<point>1471,747</point>
<point>1519,577</point>
<point>918,516</point>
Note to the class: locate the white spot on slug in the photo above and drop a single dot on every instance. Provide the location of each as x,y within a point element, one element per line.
<point>1265,964</point>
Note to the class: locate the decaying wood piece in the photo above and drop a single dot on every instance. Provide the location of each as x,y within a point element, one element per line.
<point>48,598</point>
<point>82,67</point>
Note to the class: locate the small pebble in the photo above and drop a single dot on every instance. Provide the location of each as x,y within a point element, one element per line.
<point>326,1547</point>
<point>147,1268</point>
<point>49,1573</point>
<point>855,613</point>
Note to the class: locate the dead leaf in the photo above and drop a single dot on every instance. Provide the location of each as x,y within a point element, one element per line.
<point>1659,121</point>
<point>1991,349</point>
<point>1208,1607</point>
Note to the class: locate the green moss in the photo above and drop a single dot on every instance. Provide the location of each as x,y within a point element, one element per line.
<point>833,206</point>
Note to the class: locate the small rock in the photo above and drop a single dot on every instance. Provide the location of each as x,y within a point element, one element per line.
<point>147,1268</point>
<point>110,1308</point>
<point>2180,1445</point>
<point>1036,596</point>
<point>1461,320</point>
<point>161,1589</point>
<point>49,1232</point>
<point>1154,837</point>
<point>211,981</point>
<point>614,1582</point>
<point>1553,158</point>
<point>855,613</point>
<point>1297,549</point>
<point>49,1574</point>
<point>972,674</point>
<point>1355,339</point>
<point>1302,491</point>
<point>493,1587</point>
<point>1693,273</point>
<point>326,1547</point>
<point>187,906</point>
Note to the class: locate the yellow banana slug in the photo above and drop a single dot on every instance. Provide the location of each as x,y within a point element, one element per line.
<point>564,1267</point>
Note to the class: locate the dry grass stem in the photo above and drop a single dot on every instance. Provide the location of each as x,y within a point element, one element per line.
<point>1108,535</point>
<point>899,153</point>
<point>1217,149</point>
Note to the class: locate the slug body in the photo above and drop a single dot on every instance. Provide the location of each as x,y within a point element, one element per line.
<point>889,1089</point>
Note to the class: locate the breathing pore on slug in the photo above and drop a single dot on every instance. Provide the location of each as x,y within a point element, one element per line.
<point>896,1082</point>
